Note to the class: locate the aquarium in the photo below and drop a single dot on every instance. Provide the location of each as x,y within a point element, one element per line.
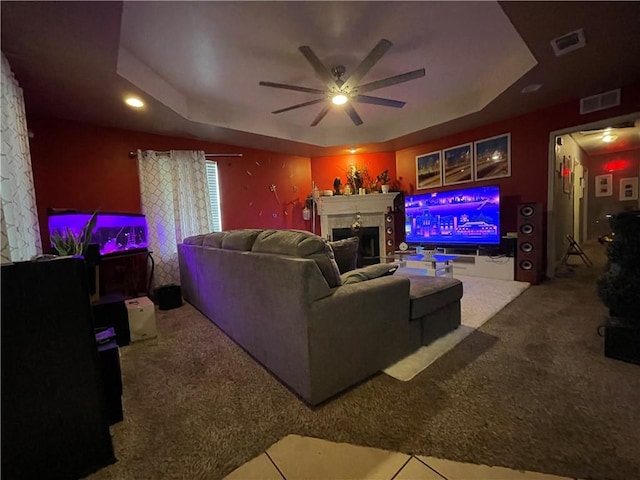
<point>115,233</point>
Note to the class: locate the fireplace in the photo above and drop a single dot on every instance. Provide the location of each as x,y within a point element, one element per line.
<point>337,214</point>
<point>369,246</point>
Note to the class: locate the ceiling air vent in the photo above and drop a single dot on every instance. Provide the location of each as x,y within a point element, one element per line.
<point>569,42</point>
<point>600,102</point>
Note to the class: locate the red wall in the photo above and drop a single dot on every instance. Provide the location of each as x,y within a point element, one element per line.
<point>625,164</point>
<point>87,167</point>
<point>324,170</point>
<point>529,151</point>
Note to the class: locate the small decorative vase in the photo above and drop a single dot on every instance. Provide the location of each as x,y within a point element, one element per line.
<point>385,188</point>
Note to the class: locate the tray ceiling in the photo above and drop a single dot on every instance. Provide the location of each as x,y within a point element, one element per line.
<point>198,64</point>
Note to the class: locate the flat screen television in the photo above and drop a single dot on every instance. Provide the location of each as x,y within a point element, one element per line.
<point>463,217</point>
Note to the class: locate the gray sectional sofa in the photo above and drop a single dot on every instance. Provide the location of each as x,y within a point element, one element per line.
<point>280,295</point>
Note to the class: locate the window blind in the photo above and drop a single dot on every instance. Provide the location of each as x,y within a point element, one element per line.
<point>214,194</point>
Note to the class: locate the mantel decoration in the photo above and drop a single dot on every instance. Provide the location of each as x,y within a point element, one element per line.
<point>359,179</point>
<point>619,286</point>
<point>355,226</point>
<point>383,179</point>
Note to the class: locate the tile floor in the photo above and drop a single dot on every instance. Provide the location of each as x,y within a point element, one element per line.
<point>295,457</point>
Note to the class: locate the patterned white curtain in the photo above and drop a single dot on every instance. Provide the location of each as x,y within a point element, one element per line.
<point>20,232</point>
<point>175,200</point>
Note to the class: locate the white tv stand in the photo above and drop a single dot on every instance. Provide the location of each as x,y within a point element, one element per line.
<point>474,264</point>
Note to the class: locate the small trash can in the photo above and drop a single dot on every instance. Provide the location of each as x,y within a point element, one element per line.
<point>168,296</point>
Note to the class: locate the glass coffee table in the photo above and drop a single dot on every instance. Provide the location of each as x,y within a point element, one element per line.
<point>430,264</point>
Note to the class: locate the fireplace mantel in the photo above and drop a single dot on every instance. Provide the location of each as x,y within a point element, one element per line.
<point>340,212</point>
<point>350,204</point>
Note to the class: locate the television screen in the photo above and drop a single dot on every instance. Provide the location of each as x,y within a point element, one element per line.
<point>469,216</point>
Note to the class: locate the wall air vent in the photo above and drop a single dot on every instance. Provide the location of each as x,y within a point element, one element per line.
<point>569,42</point>
<point>600,102</point>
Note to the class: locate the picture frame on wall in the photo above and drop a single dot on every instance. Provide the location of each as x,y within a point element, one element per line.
<point>567,174</point>
<point>457,164</point>
<point>604,185</point>
<point>493,157</point>
<point>429,170</point>
<point>629,188</point>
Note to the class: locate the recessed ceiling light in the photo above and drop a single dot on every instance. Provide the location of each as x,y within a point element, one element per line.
<point>608,138</point>
<point>534,87</point>
<point>134,102</point>
<point>339,99</point>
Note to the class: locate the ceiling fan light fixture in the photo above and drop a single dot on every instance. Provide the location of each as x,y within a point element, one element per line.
<point>339,99</point>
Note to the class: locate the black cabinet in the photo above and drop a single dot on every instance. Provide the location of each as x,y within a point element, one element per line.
<point>54,416</point>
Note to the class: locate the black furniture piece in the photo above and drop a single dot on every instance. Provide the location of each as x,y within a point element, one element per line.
<point>111,311</point>
<point>168,296</point>
<point>54,421</point>
<point>109,361</point>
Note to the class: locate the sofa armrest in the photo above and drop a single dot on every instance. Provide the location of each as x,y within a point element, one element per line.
<point>359,330</point>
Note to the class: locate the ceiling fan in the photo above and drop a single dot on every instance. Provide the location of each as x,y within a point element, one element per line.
<point>345,92</point>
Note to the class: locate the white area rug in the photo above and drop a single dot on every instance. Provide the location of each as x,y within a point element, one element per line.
<point>481,300</point>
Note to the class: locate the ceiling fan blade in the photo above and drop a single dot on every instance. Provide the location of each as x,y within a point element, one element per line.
<point>305,104</point>
<point>321,115</point>
<point>374,55</point>
<point>355,118</point>
<point>387,82</point>
<point>292,87</point>
<point>317,65</point>
<point>385,102</point>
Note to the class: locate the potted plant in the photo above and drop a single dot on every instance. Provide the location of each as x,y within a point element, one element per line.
<point>619,288</point>
<point>70,243</point>
<point>383,180</point>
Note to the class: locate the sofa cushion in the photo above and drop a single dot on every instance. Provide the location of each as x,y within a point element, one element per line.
<point>346,253</point>
<point>194,240</point>
<point>429,294</point>
<point>213,239</point>
<point>241,240</point>
<point>301,244</point>
<point>369,273</point>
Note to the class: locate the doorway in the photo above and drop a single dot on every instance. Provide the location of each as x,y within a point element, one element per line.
<point>578,157</point>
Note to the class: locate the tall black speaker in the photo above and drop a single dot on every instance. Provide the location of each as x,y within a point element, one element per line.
<point>529,257</point>
<point>394,226</point>
<point>54,420</point>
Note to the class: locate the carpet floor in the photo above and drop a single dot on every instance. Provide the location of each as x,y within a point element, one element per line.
<point>482,299</point>
<point>531,389</point>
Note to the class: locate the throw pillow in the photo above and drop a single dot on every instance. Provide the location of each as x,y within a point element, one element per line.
<point>369,273</point>
<point>346,253</point>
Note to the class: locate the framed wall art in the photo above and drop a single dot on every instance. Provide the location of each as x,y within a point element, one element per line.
<point>629,188</point>
<point>604,185</point>
<point>429,170</point>
<point>493,157</point>
<point>458,166</point>
<point>567,174</point>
